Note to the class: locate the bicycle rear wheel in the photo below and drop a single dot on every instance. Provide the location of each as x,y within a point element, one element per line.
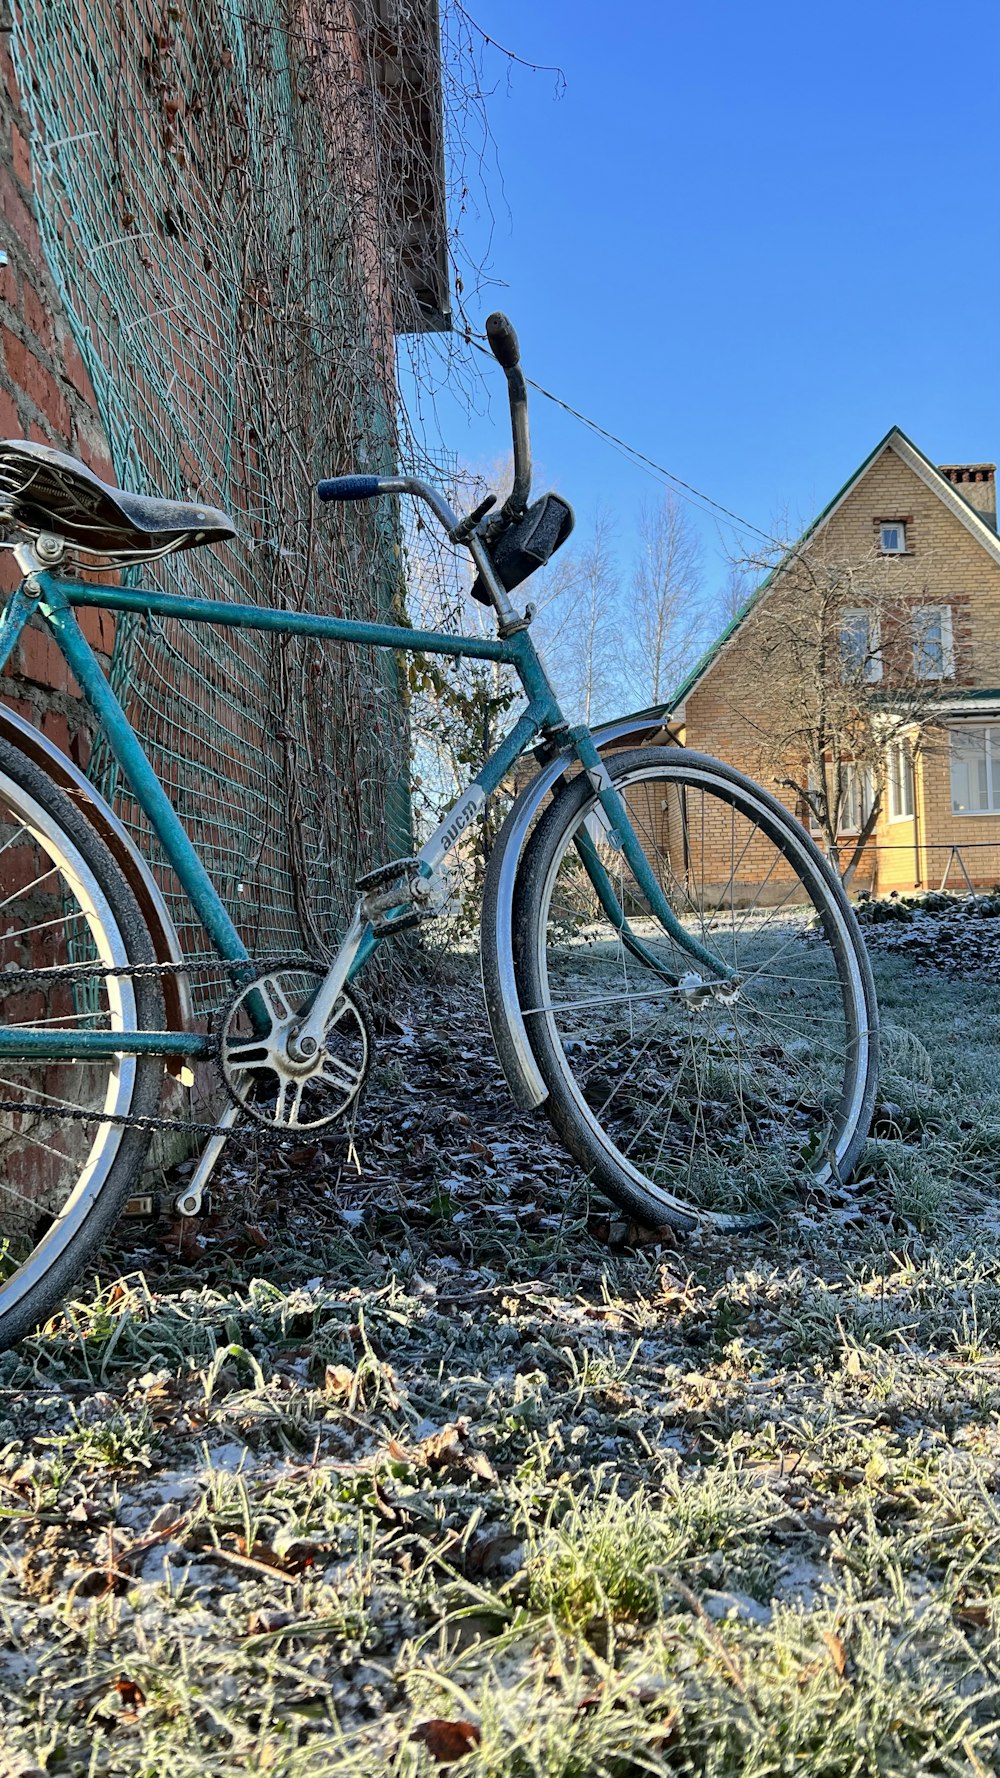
<point>680,1102</point>
<point>64,1172</point>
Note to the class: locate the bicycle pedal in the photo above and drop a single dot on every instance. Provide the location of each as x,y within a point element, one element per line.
<point>386,928</point>
<point>387,873</point>
<point>143,1207</point>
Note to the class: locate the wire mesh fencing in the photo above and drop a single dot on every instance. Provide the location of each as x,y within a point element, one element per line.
<point>211,184</point>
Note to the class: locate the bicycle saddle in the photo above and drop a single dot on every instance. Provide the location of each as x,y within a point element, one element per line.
<point>43,489</point>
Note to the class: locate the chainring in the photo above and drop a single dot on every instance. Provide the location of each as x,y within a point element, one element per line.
<point>256,1069</point>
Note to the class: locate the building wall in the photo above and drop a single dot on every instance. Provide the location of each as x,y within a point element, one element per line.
<point>939,828</point>
<point>200,304</point>
<point>45,395</point>
<point>724,719</point>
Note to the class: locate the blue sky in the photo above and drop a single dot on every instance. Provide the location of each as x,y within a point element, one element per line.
<point>746,238</point>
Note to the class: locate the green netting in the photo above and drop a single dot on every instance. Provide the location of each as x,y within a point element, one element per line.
<point>206,179</point>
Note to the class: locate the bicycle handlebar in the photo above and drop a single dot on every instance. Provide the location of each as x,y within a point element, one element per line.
<point>503,344</point>
<point>481,539</point>
<point>349,487</point>
<point>503,341</point>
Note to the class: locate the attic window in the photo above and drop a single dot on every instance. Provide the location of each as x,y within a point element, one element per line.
<point>892,537</point>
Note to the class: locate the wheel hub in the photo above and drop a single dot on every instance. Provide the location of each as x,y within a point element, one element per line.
<point>696,992</point>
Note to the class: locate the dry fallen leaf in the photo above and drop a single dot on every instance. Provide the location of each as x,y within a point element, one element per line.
<point>975,1612</point>
<point>838,1653</point>
<point>446,1741</point>
<point>294,1560</point>
<point>338,1381</point>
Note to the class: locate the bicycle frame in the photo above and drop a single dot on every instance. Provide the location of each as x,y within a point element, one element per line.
<point>54,599</point>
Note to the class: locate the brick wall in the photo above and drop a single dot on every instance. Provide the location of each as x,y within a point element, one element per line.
<point>955,570</point>
<point>45,395</point>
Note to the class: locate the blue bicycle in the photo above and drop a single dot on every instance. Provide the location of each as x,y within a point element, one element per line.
<point>671,969</point>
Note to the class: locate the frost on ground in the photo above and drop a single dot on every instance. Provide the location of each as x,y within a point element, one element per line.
<point>439,1466</point>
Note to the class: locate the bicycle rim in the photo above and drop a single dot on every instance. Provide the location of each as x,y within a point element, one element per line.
<point>56,915</point>
<point>678,1099</point>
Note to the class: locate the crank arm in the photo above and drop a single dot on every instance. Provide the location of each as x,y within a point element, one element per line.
<point>313,1029</point>
<point>188,1202</point>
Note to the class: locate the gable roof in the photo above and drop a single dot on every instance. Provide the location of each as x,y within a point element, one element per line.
<point>896,440</point>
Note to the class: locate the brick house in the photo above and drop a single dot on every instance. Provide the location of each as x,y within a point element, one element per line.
<point>940,814</point>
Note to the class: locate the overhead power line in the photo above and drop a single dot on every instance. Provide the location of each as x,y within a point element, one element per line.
<point>697,496</point>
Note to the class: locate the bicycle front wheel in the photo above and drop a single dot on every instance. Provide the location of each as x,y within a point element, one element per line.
<point>66,916</point>
<point>683,1101</point>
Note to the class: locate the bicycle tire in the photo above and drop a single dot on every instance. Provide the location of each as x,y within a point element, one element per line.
<point>757,1097</point>
<point>64,1181</point>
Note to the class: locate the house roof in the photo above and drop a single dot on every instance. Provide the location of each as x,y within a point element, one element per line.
<point>896,440</point>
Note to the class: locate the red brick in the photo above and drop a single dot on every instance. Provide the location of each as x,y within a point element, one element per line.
<point>75,372</point>
<point>16,212</point>
<point>57,729</point>
<point>20,155</point>
<point>95,458</point>
<point>47,396</point>
<point>22,707</point>
<point>80,748</point>
<point>36,316</point>
<point>26,370</point>
<point>41,660</point>
<point>90,623</point>
<point>10,419</point>
<point>7,74</point>
<point>20,867</point>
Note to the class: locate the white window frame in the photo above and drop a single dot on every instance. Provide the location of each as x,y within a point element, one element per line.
<point>900,777</point>
<point>856,617</point>
<point>943,612</point>
<point>992,734</point>
<point>897,525</point>
<point>859,791</point>
<point>863,787</point>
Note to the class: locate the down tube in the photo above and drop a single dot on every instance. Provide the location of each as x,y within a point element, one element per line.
<point>489,777</point>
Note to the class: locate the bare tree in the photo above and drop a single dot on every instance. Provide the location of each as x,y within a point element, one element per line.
<point>458,708</point>
<point>666,617</point>
<point>741,581</point>
<point>836,664</point>
<point>579,626</point>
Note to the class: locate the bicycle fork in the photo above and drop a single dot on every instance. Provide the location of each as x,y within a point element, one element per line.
<point>624,837</point>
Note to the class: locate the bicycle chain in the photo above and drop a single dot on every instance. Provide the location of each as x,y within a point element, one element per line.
<point>13,973</point>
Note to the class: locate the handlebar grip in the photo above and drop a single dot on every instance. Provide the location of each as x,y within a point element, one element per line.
<point>348,487</point>
<point>503,341</point>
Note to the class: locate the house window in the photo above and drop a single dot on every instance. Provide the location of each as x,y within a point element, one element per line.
<point>857,794</point>
<point>892,537</point>
<point>856,804</point>
<point>859,646</point>
<point>975,771</point>
<point>900,776</point>
<point>933,649</point>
